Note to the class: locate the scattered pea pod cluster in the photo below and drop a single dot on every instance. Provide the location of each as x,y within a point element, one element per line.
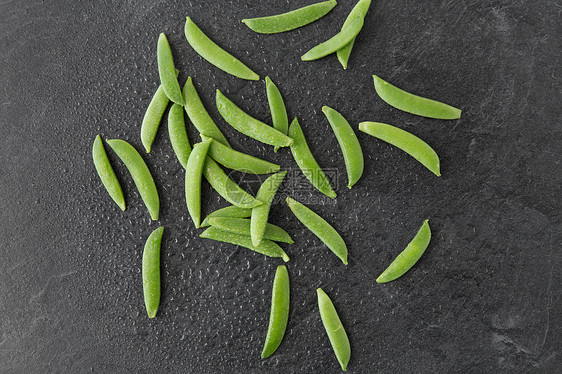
<point>245,222</point>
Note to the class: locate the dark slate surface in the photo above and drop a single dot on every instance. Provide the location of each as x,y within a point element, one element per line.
<point>485,298</point>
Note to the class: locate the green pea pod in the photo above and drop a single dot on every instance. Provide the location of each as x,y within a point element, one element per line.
<point>414,104</point>
<point>193,176</point>
<point>178,134</point>
<point>199,115</point>
<point>277,108</point>
<point>140,174</point>
<point>351,149</point>
<point>409,256</point>
<point>260,214</point>
<point>319,227</point>
<point>336,42</point>
<point>361,9</point>
<point>235,160</point>
<point>290,20</point>
<point>167,71</point>
<point>151,272</point>
<point>248,125</point>
<point>214,54</point>
<point>267,248</point>
<point>407,142</point>
<point>306,161</point>
<point>334,329</point>
<point>279,314</point>
<point>226,187</point>
<point>242,226</point>
<point>106,173</point>
<point>230,211</point>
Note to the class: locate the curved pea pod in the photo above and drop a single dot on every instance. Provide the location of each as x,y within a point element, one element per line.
<point>290,20</point>
<point>414,104</point>
<point>306,161</point>
<point>267,248</point>
<point>178,134</point>
<point>214,54</point>
<point>260,214</point>
<point>242,226</point>
<point>151,272</point>
<point>248,125</point>
<point>407,142</point>
<point>106,173</point>
<point>193,176</point>
<point>199,116</point>
<point>319,227</point>
<point>409,256</point>
<point>167,71</point>
<point>349,144</point>
<point>230,211</point>
<point>360,9</point>
<point>277,108</point>
<point>334,329</point>
<point>140,174</point>
<point>279,315</point>
<point>336,42</point>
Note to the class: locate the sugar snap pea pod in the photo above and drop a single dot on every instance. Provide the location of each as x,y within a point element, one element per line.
<point>306,162</point>
<point>106,173</point>
<point>277,108</point>
<point>151,272</point>
<point>248,125</point>
<point>267,247</point>
<point>153,116</point>
<point>319,227</point>
<point>199,115</point>
<point>290,20</point>
<point>178,134</point>
<point>235,160</point>
<point>279,314</point>
<point>260,214</point>
<point>361,8</point>
<point>350,147</point>
<point>242,226</point>
<point>214,54</point>
<point>407,142</point>
<point>414,104</point>
<point>336,42</point>
<point>334,329</point>
<point>140,174</point>
<point>167,71</point>
<point>230,211</point>
<point>226,187</point>
<point>193,176</point>
<point>409,256</point>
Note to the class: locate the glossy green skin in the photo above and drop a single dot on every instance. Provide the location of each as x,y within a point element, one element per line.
<point>414,104</point>
<point>242,226</point>
<point>319,227</point>
<point>279,315</point>
<point>349,144</point>
<point>140,174</point>
<point>214,54</point>
<point>290,20</point>
<point>229,211</point>
<point>260,214</point>
<point>407,142</point>
<point>277,108</point>
<point>267,248</point>
<point>336,42</point>
<point>409,256</point>
<point>248,125</point>
<point>306,161</point>
<point>334,329</point>
<point>235,160</point>
<point>361,9</point>
<point>193,176</point>
<point>106,173</point>
<point>199,115</point>
<point>226,187</point>
<point>167,71</point>
<point>151,272</point>
<point>178,134</point>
